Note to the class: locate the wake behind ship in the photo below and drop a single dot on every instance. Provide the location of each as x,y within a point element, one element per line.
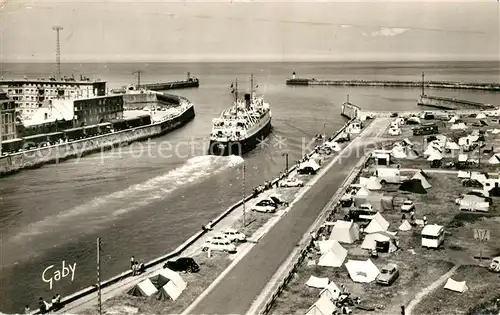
<point>241,127</point>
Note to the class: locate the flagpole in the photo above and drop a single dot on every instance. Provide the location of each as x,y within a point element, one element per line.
<point>99,304</point>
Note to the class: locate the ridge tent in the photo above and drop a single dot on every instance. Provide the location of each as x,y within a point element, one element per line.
<point>363,191</point>
<point>362,271</point>
<point>398,152</point>
<point>316,282</point>
<point>495,159</point>
<point>405,226</point>
<point>435,156</point>
<point>480,116</point>
<point>334,257</point>
<point>326,245</point>
<point>418,175</point>
<point>372,183</point>
<point>495,131</point>
<point>451,145</point>
<point>173,277</point>
<point>331,292</point>
<point>144,288</point>
<point>169,290</point>
<point>345,232</point>
<point>377,224</point>
<point>383,241</point>
<point>414,186</point>
<point>457,286</point>
<point>322,306</point>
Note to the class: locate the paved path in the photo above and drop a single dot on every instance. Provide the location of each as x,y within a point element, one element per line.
<point>235,293</point>
<point>430,171</point>
<point>432,287</point>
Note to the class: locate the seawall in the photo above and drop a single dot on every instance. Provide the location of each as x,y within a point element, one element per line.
<point>16,162</point>
<point>451,103</point>
<point>412,84</point>
<point>182,84</point>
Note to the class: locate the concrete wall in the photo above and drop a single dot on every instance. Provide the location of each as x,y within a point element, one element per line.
<point>57,153</point>
<point>450,103</point>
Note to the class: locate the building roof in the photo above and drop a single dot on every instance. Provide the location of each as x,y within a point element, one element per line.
<point>45,81</point>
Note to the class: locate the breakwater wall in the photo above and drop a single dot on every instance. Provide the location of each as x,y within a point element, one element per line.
<point>16,162</point>
<point>407,84</point>
<point>148,98</point>
<point>451,103</point>
<point>182,84</point>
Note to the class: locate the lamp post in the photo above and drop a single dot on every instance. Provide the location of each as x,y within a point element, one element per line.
<point>285,154</point>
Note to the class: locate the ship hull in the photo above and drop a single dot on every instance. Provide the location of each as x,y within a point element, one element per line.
<point>239,147</point>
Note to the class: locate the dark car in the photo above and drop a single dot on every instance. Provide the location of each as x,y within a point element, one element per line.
<point>183,264</point>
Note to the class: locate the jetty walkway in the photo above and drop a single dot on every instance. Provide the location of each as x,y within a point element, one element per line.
<point>242,285</point>
<point>408,84</point>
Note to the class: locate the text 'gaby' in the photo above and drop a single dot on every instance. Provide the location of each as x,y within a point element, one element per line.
<point>51,275</point>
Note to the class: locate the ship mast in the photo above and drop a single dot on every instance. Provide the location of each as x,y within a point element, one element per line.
<point>236,91</point>
<point>251,86</point>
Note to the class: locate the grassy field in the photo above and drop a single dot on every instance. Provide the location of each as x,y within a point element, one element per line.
<point>491,140</point>
<point>418,267</point>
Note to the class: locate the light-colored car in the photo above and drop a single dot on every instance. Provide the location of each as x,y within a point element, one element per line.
<point>265,205</point>
<point>235,235</point>
<point>407,206</point>
<point>221,244</point>
<point>291,182</point>
<point>388,275</point>
<point>394,131</point>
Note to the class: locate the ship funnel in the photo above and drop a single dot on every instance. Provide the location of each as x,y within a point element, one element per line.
<point>247,100</point>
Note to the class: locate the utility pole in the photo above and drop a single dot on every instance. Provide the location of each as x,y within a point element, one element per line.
<point>423,83</point>
<point>244,195</point>
<point>99,303</point>
<point>58,51</point>
<point>285,154</point>
<point>1,129</point>
<point>138,72</point>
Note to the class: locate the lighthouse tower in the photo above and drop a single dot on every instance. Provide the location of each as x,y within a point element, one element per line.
<point>293,75</point>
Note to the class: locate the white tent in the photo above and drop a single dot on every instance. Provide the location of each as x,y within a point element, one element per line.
<point>480,116</point>
<point>327,245</point>
<point>431,149</point>
<point>170,289</point>
<point>372,183</point>
<point>173,277</point>
<point>322,306</point>
<point>450,145</point>
<point>470,139</point>
<point>398,152</point>
<point>423,180</point>
<point>377,224</point>
<point>316,282</point>
<point>495,131</point>
<point>334,257</point>
<point>453,119</point>
<point>331,292</point>
<point>370,241</point>
<point>463,174</point>
<point>363,192</point>
<point>457,286</point>
<point>459,126</point>
<point>345,232</point>
<point>435,155</point>
<point>495,159</point>
<point>144,288</point>
<point>362,271</point>
<point>405,226</point>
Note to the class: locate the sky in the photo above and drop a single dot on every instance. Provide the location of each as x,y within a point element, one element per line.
<point>205,31</point>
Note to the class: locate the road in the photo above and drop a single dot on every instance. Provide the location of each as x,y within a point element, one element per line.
<point>236,292</point>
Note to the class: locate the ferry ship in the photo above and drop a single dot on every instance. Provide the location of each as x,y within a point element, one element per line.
<point>241,127</point>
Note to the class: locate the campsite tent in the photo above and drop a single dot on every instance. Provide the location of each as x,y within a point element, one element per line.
<point>362,192</point>
<point>480,116</point>
<point>398,152</point>
<point>334,257</point>
<point>495,159</point>
<point>345,232</point>
<point>322,306</point>
<point>413,185</point>
<point>378,201</point>
<point>495,131</point>
<point>459,126</point>
<point>174,277</point>
<point>435,156</point>
<point>144,288</point>
<point>316,282</point>
<point>385,238</point>
<point>331,292</point>
<point>326,245</point>
<point>362,271</point>
<point>169,290</point>
<point>372,183</point>
<point>457,286</point>
<point>405,226</point>
<point>423,179</point>
<point>377,224</point>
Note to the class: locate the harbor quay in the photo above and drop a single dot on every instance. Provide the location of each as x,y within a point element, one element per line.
<point>255,225</point>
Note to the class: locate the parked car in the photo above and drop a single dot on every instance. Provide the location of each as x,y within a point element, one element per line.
<point>235,235</point>
<point>278,199</point>
<point>495,264</point>
<point>265,205</point>
<point>388,275</point>
<point>394,131</point>
<point>407,206</point>
<point>223,245</point>
<point>291,182</point>
<point>183,264</point>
